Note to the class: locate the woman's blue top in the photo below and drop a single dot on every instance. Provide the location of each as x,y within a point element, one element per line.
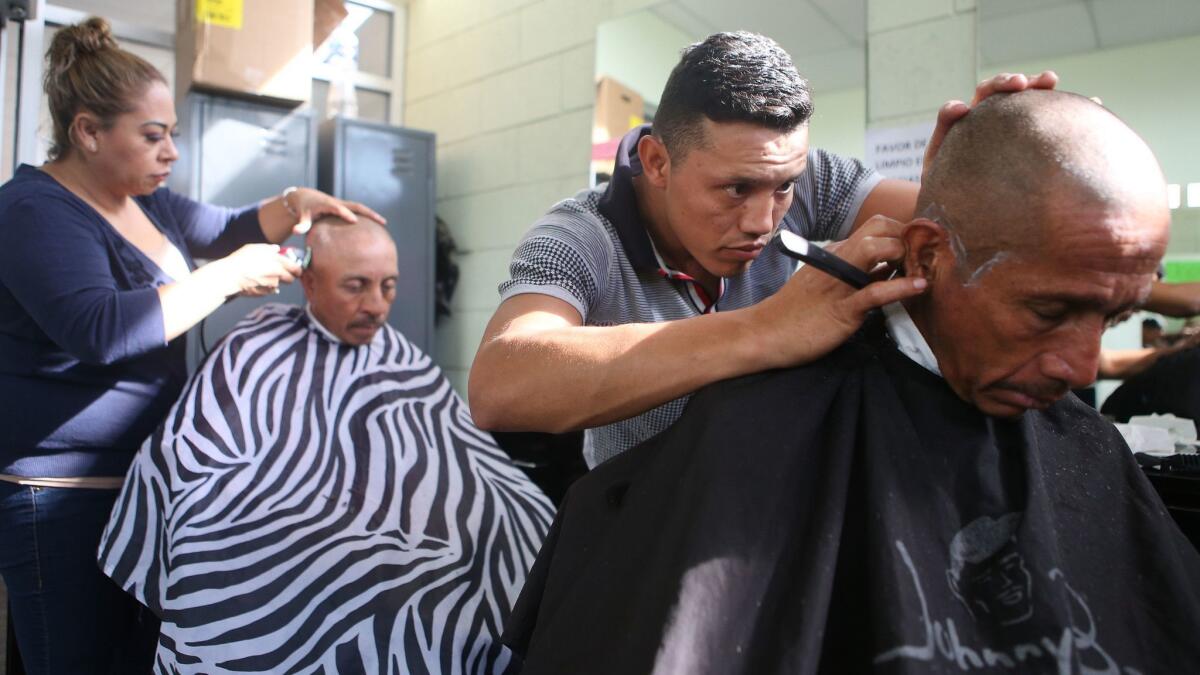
<point>85,374</point>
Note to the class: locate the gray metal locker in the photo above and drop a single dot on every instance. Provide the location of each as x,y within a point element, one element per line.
<point>391,170</point>
<point>233,153</point>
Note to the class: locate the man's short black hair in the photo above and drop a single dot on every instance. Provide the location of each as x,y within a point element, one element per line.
<point>730,77</point>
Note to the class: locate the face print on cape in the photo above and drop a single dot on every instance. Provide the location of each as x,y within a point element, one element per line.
<point>987,574</point>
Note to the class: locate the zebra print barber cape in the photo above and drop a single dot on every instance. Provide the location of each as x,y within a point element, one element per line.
<point>312,507</point>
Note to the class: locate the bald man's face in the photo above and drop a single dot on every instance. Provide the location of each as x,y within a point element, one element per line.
<point>351,283</point>
<point>1027,331</point>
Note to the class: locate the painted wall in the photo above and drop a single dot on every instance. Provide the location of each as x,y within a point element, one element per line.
<point>639,50</point>
<point>506,85</point>
<point>839,122</point>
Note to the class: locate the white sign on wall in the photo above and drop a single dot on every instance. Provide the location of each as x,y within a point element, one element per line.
<point>897,152</point>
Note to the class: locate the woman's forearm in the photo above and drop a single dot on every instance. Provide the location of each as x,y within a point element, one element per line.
<point>187,301</point>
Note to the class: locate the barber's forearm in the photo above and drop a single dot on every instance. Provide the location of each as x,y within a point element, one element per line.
<point>538,369</point>
<point>576,377</point>
<point>1178,300</point>
<point>892,198</point>
<point>1119,364</point>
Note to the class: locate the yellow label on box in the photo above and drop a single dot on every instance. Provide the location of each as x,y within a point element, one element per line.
<point>225,13</point>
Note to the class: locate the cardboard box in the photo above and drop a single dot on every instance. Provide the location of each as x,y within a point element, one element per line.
<point>255,48</point>
<point>618,109</point>
<point>327,15</point>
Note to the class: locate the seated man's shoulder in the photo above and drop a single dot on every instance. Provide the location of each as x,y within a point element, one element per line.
<point>266,320</point>
<point>1071,417</point>
<point>271,314</point>
<point>798,383</point>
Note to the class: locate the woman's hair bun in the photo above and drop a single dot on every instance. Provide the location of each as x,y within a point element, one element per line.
<point>83,39</point>
<point>87,71</point>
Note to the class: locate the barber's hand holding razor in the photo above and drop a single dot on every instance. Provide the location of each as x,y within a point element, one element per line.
<point>816,312</point>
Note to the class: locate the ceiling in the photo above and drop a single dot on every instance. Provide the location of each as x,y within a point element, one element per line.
<point>1018,30</point>
<point>155,14</point>
<point>827,38</point>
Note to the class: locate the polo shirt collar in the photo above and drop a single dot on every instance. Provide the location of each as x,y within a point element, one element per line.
<point>619,204</point>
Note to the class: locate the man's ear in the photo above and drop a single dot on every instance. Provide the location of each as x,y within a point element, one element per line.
<point>656,161</point>
<point>928,250</point>
<point>306,282</point>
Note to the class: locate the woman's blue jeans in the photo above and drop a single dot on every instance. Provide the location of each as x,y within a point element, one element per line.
<point>69,617</point>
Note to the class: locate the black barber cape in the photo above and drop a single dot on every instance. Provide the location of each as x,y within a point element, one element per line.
<point>1171,385</point>
<point>854,516</point>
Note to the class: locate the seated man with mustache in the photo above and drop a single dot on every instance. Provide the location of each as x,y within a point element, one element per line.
<point>319,500</point>
<point>927,498</point>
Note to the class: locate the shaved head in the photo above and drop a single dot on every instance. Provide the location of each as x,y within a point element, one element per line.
<point>1042,220</point>
<point>350,281</point>
<point>1015,157</point>
<point>330,234</point>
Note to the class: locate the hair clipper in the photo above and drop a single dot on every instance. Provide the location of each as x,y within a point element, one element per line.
<point>299,255</point>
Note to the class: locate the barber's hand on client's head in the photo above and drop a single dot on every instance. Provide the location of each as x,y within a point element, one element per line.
<point>952,111</point>
<point>814,312</point>
<point>255,269</point>
<point>311,205</point>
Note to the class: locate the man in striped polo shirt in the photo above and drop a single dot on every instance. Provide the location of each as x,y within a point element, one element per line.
<point>627,298</point>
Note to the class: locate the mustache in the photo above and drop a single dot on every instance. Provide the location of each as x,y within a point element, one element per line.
<point>367,322</point>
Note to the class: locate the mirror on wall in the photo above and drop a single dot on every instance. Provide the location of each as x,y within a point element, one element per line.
<point>636,52</point>
<point>1139,59</point>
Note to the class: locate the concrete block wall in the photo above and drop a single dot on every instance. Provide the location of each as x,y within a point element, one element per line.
<point>508,87</point>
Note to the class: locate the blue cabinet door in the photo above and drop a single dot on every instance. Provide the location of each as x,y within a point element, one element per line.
<point>391,170</point>
<point>234,153</point>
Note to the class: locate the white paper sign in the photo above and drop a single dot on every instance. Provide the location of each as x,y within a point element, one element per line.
<point>897,152</point>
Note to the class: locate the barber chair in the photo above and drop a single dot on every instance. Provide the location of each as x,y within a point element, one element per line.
<point>552,461</point>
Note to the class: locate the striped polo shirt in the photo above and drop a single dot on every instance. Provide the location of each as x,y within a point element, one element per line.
<point>593,252</point>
